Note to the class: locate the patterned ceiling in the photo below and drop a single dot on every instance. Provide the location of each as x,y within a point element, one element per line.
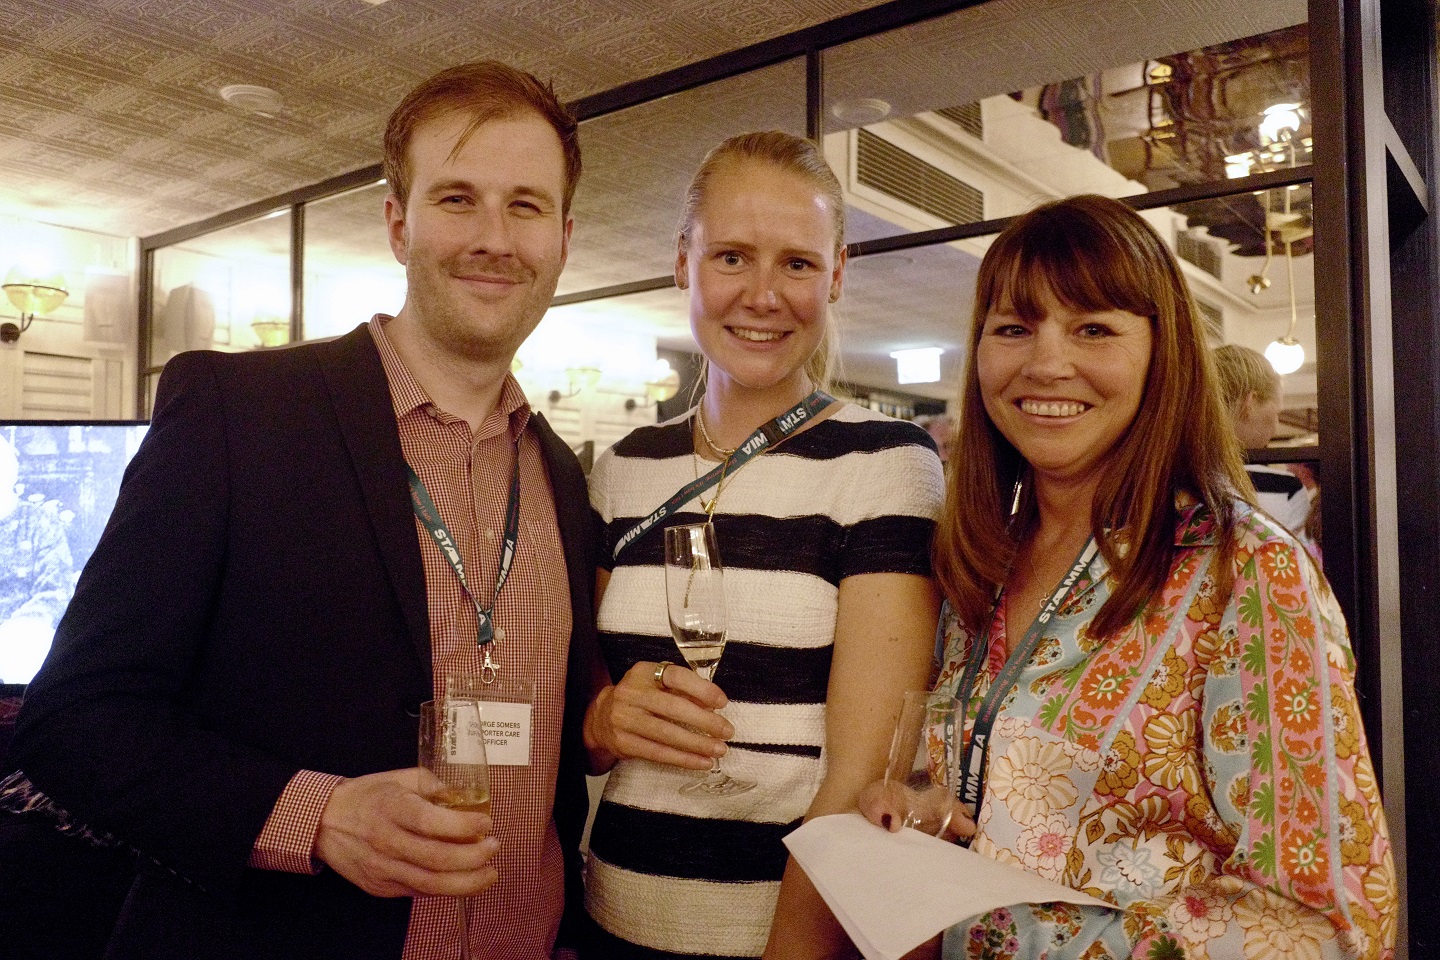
<point>110,117</point>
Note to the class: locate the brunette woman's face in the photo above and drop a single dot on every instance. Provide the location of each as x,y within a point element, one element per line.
<point>1063,389</point>
<point>761,268</point>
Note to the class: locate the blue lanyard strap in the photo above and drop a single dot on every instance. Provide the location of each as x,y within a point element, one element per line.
<point>487,634</point>
<point>762,439</point>
<point>972,767</point>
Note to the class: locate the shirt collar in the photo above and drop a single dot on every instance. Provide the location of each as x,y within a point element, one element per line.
<point>407,395</point>
<point>1197,526</point>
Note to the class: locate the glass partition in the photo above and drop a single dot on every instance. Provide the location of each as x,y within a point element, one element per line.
<point>228,290</point>
<point>350,272</point>
<point>639,161</point>
<point>974,115</point>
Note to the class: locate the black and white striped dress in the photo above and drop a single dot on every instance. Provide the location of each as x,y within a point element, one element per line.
<point>856,493</point>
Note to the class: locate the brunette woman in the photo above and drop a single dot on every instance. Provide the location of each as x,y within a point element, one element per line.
<point>1160,708</point>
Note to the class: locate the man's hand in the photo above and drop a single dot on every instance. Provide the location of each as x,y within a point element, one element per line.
<point>379,833</point>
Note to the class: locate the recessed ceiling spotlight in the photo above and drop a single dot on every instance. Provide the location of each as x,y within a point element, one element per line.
<point>252,99</point>
<point>861,111</point>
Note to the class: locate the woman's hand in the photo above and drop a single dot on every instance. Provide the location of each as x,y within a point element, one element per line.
<point>891,805</point>
<point>666,716</point>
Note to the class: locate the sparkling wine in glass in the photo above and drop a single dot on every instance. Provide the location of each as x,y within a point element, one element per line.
<point>695,593</point>
<point>453,770</point>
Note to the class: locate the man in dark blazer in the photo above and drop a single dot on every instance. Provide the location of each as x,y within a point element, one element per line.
<point>233,691</point>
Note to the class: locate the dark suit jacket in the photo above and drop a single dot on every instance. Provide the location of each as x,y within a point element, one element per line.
<point>257,606</point>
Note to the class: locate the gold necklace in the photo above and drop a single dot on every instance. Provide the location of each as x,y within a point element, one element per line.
<point>714,447</point>
<point>709,505</point>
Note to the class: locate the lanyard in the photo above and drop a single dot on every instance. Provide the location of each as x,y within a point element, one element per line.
<point>487,634</point>
<point>973,766</point>
<point>763,438</point>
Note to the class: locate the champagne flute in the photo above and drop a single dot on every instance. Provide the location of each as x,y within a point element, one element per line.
<point>921,775</point>
<point>695,593</point>
<point>453,771</point>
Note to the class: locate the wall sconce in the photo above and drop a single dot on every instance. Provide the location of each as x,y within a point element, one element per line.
<point>271,330</point>
<point>581,379</point>
<point>33,296</point>
<point>663,384</point>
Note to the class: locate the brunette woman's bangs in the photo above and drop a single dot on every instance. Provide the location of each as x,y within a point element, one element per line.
<point>1073,259</point>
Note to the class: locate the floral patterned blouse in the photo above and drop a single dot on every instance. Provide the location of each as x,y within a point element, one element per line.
<point>1204,770</point>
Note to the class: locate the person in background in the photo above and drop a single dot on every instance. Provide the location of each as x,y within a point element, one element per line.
<point>1251,391</point>
<point>1158,685</point>
<point>825,542</point>
<point>234,690</point>
<point>941,427</point>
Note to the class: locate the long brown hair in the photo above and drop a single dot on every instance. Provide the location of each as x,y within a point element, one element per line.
<point>792,154</point>
<point>1092,253</point>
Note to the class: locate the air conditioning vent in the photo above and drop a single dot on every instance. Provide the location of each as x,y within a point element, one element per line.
<point>1204,254</point>
<point>1214,319</point>
<point>883,166</point>
<point>968,117</point>
<point>55,387</point>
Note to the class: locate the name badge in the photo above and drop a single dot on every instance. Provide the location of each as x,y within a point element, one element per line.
<point>507,710</point>
<point>507,733</point>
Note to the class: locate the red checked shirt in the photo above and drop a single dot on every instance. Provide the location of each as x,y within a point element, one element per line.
<point>468,477</point>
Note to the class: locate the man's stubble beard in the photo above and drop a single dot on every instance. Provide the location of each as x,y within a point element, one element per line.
<point>483,333</point>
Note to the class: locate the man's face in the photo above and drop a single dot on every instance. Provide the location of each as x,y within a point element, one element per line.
<point>483,237</point>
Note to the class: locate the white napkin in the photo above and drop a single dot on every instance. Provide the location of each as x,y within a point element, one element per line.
<point>893,891</point>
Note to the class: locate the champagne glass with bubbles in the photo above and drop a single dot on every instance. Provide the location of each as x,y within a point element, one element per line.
<point>695,593</point>
<point>453,769</point>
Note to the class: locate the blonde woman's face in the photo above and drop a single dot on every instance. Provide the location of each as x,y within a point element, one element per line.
<point>761,269</point>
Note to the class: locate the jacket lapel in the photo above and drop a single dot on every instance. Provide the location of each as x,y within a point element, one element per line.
<point>360,394</point>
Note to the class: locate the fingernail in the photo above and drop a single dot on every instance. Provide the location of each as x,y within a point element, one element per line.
<point>719,750</point>
<point>490,845</point>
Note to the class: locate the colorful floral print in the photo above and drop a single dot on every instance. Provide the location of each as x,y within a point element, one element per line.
<point>1204,770</point>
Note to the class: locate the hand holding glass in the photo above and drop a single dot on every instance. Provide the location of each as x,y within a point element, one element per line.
<point>695,594</point>
<point>922,773</point>
<point>453,771</point>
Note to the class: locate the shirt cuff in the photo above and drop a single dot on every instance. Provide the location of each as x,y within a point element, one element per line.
<point>287,841</point>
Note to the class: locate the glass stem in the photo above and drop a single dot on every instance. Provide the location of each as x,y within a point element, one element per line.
<point>464,925</point>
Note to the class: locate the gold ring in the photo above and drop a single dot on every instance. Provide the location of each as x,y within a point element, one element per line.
<point>660,674</point>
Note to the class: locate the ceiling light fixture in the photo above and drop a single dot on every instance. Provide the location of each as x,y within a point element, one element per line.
<point>261,101</point>
<point>921,365</point>
<point>861,111</point>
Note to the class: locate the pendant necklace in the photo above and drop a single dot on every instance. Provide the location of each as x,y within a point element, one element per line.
<point>709,506</point>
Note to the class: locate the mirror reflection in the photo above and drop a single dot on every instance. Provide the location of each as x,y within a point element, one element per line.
<point>228,290</point>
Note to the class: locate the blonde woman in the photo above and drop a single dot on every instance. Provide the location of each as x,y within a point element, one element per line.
<point>825,539</point>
